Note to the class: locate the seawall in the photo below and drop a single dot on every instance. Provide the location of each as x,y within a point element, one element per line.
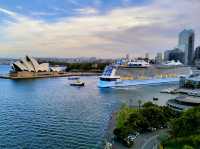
<point>35,75</point>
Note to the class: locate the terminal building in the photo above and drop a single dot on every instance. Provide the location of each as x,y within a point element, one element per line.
<point>183,103</point>
<point>191,82</point>
<point>191,87</point>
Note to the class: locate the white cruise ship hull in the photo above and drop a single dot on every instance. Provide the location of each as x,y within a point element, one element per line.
<point>122,83</point>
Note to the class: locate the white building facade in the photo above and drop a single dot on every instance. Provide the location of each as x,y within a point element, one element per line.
<point>29,64</point>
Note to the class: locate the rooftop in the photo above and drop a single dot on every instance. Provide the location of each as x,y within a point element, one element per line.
<point>188,99</point>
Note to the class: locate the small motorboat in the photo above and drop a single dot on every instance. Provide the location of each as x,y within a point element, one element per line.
<point>155,99</point>
<point>77,83</point>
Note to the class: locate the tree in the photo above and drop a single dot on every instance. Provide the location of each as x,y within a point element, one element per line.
<point>188,124</point>
<point>123,115</point>
<point>149,104</point>
<point>169,113</point>
<point>154,116</point>
<point>137,122</point>
<point>187,147</point>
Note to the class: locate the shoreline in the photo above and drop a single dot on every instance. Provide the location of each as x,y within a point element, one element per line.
<point>31,75</point>
<point>109,136</point>
<point>111,126</point>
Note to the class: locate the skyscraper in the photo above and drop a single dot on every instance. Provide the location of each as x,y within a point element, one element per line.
<point>186,44</point>
<point>146,55</point>
<point>197,57</point>
<point>176,55</point>
<point>166,55</point>
<point>127,57</point>
<point>158,58</point>
<point>197,53</point>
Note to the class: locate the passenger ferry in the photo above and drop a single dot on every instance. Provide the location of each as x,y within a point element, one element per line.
<point>142,73</point>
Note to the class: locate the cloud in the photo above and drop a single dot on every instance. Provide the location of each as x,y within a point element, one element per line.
<point>43,13</point>
<point>97,3</point>
<point>19,7</point>
<point>74,2</point>
<point>57,9</point>
<point>87,11</point>
<point>126,2</point>
<point>8,12</point>
<point>134,29</point>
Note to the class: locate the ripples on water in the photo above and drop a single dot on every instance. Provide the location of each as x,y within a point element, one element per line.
<point>48,113</point>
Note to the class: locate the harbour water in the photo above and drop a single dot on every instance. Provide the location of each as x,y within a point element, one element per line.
<point>48,113</point>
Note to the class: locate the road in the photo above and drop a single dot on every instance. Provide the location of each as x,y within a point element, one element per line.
<point>144,141</point>
<point>148,140</point>
<point>151,143</point>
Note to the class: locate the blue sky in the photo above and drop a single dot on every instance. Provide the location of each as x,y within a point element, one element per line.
<point>101,28</point>
<point>51,10</point>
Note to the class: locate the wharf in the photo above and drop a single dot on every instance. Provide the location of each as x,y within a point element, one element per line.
<point>33,75</point>
<point>184,91</point>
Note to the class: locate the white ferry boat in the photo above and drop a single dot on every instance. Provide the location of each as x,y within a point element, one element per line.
<point>142,73</point>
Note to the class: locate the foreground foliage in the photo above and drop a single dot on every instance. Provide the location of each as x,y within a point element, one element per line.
<point>148,118</point>
<point>185,130</point>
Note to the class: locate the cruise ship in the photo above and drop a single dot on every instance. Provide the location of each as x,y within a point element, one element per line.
<point>142,73</point>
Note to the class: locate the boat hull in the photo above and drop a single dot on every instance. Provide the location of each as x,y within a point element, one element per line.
<point>77,84</point>
<point>123,83</point>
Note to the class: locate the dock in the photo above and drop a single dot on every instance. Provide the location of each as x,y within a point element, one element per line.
<point>169,91</point>
<point>33,75</point>
<point>184,91</point>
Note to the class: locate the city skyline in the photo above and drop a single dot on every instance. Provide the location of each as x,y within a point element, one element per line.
<point>72,28</point>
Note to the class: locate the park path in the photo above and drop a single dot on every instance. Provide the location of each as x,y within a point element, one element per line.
<point>144,141</point>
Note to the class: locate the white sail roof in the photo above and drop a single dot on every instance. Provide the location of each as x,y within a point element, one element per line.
<point>29,64</point>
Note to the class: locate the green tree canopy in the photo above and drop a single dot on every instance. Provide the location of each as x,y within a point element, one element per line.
<point>188,124</point>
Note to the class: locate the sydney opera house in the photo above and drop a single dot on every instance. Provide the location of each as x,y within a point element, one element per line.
<point>28,67</point>
<point>29,64</point>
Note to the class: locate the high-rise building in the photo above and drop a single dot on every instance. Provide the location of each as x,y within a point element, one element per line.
<point>197,57</point>
<point>186,44</point>
<point>197,53</point>
<point>146,55</point>
<point>127,57</point>
<point>166,55</point>
<point>176,55</point>
<point>158,58</point>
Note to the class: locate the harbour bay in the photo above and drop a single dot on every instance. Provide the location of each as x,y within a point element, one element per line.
<point>48,113</point>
